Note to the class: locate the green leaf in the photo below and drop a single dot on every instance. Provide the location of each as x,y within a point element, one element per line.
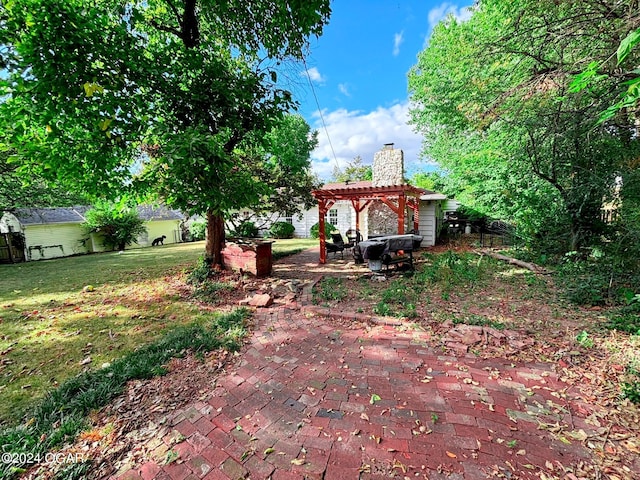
<point>627,44</point>
<point>374,398</point>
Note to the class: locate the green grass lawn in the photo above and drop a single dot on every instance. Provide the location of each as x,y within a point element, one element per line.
<point>52,330</point>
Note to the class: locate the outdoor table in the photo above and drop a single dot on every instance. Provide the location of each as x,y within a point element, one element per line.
<point>374,250</point>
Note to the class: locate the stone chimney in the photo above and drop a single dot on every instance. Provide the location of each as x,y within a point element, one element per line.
<point>388,167</point>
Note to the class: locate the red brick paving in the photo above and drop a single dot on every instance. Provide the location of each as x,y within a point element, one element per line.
<point>302,403</point>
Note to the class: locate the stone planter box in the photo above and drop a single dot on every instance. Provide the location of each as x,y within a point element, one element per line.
<point>254,257</point>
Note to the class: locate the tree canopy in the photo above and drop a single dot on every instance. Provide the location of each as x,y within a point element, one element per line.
<point>355,171</point>
<point>493,99</point>
<point>182,92</point>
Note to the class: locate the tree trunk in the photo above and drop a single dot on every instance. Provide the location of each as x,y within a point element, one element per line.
<point>215,239</point>
<point>514,261</point>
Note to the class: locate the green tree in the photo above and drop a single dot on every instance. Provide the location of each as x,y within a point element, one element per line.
<point>355,171</point>
<point>433,181</point>
<point>21,191</point>
<point>281,164</point>
<point>492,99</point>
<point>183,83</point>
<point>117,224</point>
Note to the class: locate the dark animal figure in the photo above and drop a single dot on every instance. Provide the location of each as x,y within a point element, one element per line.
<point>158,241</point>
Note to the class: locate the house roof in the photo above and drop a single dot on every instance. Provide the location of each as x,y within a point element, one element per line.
<point>429,195</point>
<point>47,216</point>
<point>41,216</point>
<point>158,212</point>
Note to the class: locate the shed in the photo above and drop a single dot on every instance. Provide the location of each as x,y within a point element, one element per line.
<point>431,217</point>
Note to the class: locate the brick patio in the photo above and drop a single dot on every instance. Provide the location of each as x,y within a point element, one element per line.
<point>311,399</point>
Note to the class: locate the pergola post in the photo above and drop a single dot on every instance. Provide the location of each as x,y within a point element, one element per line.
<point>323,207</point>
<point>322,212</point>
<point>359,207</point>
<point>415,206</point>
<point>401,211</point>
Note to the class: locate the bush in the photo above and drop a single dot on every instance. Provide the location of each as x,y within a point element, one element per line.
<point>281,230</point>
<point>198,231</point>
<point>200,273</point>
<point>315,230</point>
<point>247,230</point>
<point>119,226</point>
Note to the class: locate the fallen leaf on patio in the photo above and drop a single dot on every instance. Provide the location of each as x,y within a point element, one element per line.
<point>91,436</point>
<point>631,446</point>
<point>579,435</point>
<point>364,416</point>
<point>549,465</point>
<point>269,450</point>
<point>374,398</point>
<point>400,465</point>
<point>521,452</point>
<point>298,461</point>
<point>451,454</point>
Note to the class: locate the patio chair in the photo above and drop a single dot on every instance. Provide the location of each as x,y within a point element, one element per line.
<point>337,245</point>
<point>354,237</point>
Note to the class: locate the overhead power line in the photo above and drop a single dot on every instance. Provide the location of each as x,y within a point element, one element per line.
<point>324,125</point>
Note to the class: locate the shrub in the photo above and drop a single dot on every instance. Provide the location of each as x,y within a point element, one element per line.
<point>198,231</point>
<point>246,229</point>
<point>119,226</point>
<point>200,273</point>
<point>281,230</point>
<point>583,282</point>
<point>315,230</point>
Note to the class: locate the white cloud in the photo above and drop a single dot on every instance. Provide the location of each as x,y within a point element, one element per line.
<point>442,11</point>
<point>344,89</point>
<point>356,133</point>
<point>315,75</point>
<point>398,38</point>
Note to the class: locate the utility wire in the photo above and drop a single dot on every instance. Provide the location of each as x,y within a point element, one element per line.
<point>324,125</point>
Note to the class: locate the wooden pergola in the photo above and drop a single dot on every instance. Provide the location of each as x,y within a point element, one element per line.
<point>361,194</point>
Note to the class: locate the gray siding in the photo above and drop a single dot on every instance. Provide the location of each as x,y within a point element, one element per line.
<point>429,222</point>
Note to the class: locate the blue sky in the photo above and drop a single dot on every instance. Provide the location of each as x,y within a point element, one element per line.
<point>359,71</point>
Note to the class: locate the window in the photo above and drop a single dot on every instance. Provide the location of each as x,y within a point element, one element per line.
<point>333,216</point>
<point>288,218</point>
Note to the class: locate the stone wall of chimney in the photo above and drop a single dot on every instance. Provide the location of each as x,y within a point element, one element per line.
<point>388,167</point>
